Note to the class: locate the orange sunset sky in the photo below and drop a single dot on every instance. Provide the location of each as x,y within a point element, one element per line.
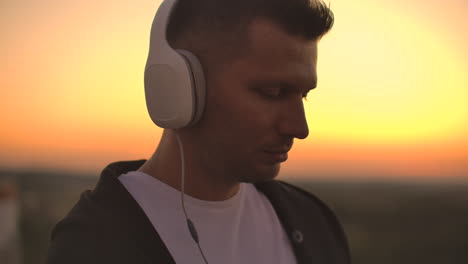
<point>391,100</point>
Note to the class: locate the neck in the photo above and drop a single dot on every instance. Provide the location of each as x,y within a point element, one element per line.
<point>200,182</point>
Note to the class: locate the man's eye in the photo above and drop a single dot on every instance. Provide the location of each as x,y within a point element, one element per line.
<point>271,92</point>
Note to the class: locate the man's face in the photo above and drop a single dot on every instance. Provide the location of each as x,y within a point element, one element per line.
<point>254,106</point>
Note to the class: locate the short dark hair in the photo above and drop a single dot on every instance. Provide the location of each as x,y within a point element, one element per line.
<point>205,26</point>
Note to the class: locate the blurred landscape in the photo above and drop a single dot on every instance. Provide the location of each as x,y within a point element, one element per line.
<point>386,222</point>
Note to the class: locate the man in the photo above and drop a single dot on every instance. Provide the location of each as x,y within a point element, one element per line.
<point>259,60</point>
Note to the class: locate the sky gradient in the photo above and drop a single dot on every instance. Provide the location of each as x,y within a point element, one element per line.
<point>391,99</point>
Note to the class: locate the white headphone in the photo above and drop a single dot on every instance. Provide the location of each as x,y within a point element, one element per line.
<point>174,79</point>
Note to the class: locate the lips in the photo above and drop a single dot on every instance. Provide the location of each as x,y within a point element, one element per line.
<point>277,156</point>
<point>279,152</point>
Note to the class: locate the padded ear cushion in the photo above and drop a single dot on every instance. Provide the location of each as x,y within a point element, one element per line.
<point>199,82</point>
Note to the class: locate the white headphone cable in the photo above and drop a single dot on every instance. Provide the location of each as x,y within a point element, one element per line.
<point>190,225</point>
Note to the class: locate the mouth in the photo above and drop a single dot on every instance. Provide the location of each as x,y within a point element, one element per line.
<point>278,153</point>
<point>277,156</point>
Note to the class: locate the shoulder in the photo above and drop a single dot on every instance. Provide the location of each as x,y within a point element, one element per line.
<point>107,226</point>
<point>300,210</point>
<point>308,200</point>
<point>283,192</point>
<point>90,233</point>
<point>287,195</point>
<point>298,194</point>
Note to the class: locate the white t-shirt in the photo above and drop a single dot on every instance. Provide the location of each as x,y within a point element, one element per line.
<point>243,229</point>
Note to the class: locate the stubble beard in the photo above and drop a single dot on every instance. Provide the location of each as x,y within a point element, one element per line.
<point>236,170</point>
<point>255,173</point>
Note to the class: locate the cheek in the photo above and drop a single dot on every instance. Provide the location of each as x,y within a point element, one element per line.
<point>246,114</point>
<point>237,113</point>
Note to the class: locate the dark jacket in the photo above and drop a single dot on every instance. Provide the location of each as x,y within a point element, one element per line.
<point>108,226</point>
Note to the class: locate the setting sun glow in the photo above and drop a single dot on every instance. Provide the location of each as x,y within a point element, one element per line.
<point>391,99</point>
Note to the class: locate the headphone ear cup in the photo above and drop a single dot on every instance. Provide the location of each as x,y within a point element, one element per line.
<point>199,83</point>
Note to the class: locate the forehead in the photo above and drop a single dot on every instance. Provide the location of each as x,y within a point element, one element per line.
<point>272,51</point>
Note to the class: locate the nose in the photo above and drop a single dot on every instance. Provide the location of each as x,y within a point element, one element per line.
<point>293,121</point>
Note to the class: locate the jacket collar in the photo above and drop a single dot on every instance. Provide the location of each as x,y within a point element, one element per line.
<point>110,191</point>
<point>132,219</point>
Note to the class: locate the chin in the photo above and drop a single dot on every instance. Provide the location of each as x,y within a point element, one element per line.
<point>264,173</point>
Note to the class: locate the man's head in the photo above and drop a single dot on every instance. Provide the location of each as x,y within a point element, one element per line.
<point>259,58</point>
<point>216,30</point>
